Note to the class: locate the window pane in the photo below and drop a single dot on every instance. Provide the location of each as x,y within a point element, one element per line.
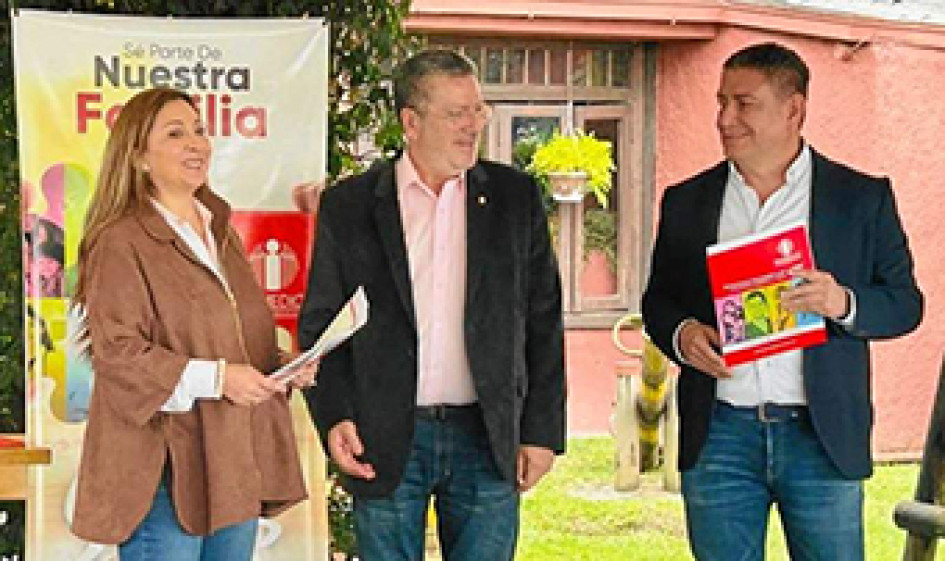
<point>599,68</point>
<point>620,72</point>
<point>602,224</point>
<point>608,129</point>
<point>515,68</point>
<point>599,265</point>
<point>536,66</point>
<point>579,64</point>
<point>475,55</point>
<point>527,134</point>
<point>559,67</point>
<point>493,73</point>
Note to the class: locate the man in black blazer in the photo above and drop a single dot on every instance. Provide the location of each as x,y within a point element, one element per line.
<point>792,429</point>
<point>455,387</point>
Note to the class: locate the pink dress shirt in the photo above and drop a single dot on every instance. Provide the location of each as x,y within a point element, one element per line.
<point>435,235</point>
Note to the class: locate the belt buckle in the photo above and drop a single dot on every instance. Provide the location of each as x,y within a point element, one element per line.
<point>439,412</point>
<point>762,413</point>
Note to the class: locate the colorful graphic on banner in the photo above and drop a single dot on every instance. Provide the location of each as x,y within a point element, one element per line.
<point>261,87</point>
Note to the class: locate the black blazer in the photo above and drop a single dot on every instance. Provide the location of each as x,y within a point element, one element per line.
<point>857,236</point>
<point>513,324</point>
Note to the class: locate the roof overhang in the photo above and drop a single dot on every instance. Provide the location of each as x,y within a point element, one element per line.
<point>643,20</point>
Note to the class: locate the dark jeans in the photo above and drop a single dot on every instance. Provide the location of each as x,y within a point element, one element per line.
<point>477,510</point>
<point>746,466</point>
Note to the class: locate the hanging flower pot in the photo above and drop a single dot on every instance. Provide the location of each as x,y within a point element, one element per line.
<point>568,186</point>
<point>574,165</point>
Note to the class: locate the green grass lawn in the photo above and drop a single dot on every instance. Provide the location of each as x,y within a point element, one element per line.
<point>574,514</point>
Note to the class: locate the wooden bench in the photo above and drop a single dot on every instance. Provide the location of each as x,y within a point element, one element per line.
<point>924,517</point>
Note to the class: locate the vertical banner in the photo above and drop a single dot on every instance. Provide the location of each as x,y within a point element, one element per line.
<point>261,88</point>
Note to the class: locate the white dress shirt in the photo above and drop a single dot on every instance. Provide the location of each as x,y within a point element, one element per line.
<point>777,378</point>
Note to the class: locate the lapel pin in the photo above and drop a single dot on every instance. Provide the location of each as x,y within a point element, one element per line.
<point>482,200</point>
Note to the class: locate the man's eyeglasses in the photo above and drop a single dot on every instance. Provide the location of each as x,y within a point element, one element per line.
<point>479,113</point>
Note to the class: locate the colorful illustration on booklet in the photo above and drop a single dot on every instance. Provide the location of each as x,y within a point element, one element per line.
<point>731,319</point>
<point>757,314</point>
<point>783,319</point>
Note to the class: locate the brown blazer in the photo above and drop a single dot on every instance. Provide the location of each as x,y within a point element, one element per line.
<point>152,306</point>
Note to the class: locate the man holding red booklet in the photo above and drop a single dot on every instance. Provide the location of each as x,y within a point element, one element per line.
<point>792,429</point>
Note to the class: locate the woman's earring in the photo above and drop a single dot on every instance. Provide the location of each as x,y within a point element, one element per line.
<point>145,168</point>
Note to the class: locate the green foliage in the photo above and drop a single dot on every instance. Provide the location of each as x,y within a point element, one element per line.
<point>341,514</point>
<point>367,41</point>
<point>577,152</point>
<point>600,234</point>
<point>12,381</point>
<point>12,520</point>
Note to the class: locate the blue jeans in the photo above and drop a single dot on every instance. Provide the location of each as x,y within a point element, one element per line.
<point>476,510</point>
<point>746,466</point>
<point>160,537</point>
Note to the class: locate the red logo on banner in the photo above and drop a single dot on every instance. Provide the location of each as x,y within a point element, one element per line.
<point>278,245</point>
<point>275,263</point>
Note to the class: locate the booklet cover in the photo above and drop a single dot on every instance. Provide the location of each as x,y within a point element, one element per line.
<point>350,318</point>
<point>747,277</point>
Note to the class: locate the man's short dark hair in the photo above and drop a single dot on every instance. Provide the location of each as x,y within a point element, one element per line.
<point>408,78</point>
<point>783,67</point>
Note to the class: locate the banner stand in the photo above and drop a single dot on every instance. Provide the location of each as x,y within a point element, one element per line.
<point>261,89</point>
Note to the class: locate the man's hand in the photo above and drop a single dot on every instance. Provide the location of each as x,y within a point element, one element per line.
<point>533,463</point>
<point>306,196</point>
<point>697,344</point>
<point>344,446</point>
<point>244,385</point>
<point>819,294</point>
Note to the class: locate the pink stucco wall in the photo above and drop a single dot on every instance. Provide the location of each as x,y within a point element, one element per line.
<point>878,110</point>
<point>591,361</point>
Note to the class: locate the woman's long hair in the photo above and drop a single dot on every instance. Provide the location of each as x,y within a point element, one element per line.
<point>122,185</point>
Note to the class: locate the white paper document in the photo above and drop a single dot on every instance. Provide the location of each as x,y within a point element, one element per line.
<point>350,318</point>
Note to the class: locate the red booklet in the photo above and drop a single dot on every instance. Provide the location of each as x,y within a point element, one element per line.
<point>747,277</point>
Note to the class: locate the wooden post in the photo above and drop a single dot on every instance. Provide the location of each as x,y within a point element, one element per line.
<point>672,481</point>
<point>626,429</point>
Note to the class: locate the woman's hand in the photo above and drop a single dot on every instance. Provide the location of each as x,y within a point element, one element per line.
<point>306,376</point>
<point>244,385</point>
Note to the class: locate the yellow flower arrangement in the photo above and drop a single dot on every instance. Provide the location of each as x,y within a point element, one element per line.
<point>577,152</point>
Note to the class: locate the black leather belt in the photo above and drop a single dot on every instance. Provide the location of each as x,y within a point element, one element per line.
<point>445,412</point>
<point>772,412</point>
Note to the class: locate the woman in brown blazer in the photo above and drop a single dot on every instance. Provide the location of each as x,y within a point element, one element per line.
<point>188,441</point>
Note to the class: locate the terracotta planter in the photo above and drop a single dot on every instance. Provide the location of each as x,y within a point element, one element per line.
<point>597,278</point>
<point>568,186</point>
